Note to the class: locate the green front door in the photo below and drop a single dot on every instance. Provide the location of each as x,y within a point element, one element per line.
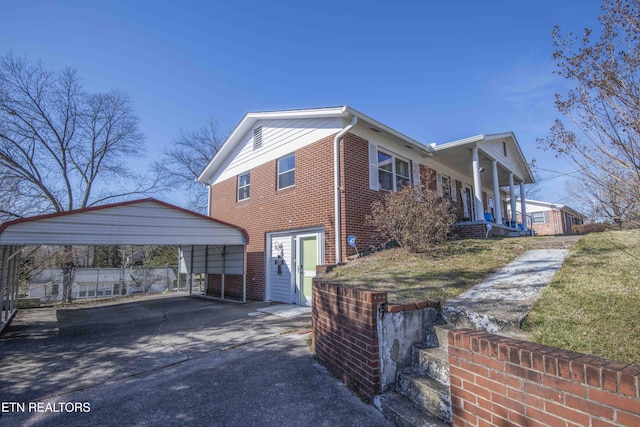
<point>307,261</point>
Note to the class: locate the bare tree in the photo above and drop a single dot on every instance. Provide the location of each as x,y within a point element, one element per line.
<point>185,160</point>
<point>62,148</point>
<point>604,106</point>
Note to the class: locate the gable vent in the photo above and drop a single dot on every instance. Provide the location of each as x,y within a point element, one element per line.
<point>257,137</point>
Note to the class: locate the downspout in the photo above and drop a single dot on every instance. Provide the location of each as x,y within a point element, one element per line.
<point>336,182</point>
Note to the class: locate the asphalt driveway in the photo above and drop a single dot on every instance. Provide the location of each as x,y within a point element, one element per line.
<point>172,360</point>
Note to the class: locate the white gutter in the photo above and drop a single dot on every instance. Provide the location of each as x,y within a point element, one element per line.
<point>208,187</point>
<point>336,182</point>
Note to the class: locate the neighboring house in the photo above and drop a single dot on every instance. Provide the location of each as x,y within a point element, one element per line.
<point>301,181</point>
<point>101,282</point>
<point>547,219</point>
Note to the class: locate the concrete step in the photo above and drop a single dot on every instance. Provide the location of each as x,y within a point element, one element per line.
<point>488,316</point>
<point>403,413</point>
<point>426,393</point>
<point>437,335</point>
<point>431,361</point>
<point>442,332</point>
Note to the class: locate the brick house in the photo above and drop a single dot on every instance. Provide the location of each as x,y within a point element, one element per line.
<point>547,219</point>
<point>301,181</point>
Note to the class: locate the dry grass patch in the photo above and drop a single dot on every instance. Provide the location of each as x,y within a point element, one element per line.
<point>592,304</point>
<point>455,267</point>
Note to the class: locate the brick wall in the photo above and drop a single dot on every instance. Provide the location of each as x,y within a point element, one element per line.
<point>232,286</point>
<point>497,381</point>
<point>307,204</point>
<point>478,230</point>
<point>550,227</point>
<point>560,222</point>
<point>345,334</point>
<point>469,231</point>
<point>310,203</point>
<point>357,197</point>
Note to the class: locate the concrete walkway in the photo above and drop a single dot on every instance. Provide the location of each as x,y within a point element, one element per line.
<point>500,304</point>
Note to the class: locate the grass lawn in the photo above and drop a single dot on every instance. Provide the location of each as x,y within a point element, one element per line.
<point>593,304</point>
<point>459,265</point>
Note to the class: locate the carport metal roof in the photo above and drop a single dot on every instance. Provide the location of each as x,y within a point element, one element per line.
<point>137,222</point>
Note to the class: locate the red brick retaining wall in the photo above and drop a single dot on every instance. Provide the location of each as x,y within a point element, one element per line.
<point>345,334</point>
<point>497,381</point>
<point>478,230</point>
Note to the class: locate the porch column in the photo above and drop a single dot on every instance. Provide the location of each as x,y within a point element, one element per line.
<point>512,196</point>
<point>497,203</point>
<point>477,184</point>
<point>523,206</point>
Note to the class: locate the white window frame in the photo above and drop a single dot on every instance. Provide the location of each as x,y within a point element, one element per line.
<point>281,173</point>
<point>538,215</point>
<point>242,187</point>
<point>394,174</point>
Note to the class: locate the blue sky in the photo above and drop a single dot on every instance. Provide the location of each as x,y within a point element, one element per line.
<point>434,70</point>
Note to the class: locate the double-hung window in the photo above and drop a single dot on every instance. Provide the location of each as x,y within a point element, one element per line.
<point>393,172</point>
<point>244,182</point>
<point>538,217</point>
<point>287,171</point>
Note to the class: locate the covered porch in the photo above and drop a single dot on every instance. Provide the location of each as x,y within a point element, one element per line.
<point>488,168</point>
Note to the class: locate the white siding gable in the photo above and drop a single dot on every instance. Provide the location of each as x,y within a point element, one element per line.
<point>495,149</point>
<point>279,137</point>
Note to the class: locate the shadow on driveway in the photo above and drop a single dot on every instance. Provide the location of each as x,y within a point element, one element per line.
<point>173,360</point>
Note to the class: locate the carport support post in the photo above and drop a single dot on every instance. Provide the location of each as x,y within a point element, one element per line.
<point>244,276</point>
<point>222,275</point>
<point>191,272</point>
<point>9,279</point>
<point>179,267</point>
<point>3,279</point>
<point>206,269</point>
<point>15,265</point>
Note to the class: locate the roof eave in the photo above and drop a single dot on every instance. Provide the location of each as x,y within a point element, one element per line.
<point>425,149</point>
<point>250,119</point>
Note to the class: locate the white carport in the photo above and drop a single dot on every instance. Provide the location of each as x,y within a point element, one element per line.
<point>207,245</point>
